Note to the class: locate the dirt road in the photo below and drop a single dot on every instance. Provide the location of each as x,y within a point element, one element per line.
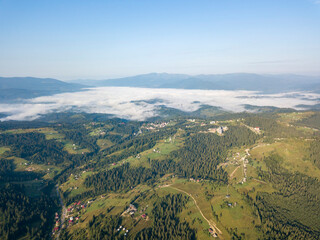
<point>234,171</point>
<point>64,213</point>
<point>211,223</point>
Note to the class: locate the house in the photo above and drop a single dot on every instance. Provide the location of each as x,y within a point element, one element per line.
<point>257,130</point>
<point>220,130</point>
<point>131,209</point>
<point>212,232</point>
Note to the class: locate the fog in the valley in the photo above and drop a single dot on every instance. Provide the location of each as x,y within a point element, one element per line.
<point>143,103</point>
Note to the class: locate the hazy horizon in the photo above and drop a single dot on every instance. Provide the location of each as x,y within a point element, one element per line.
<point>147,73</point>
<point>73,39</point>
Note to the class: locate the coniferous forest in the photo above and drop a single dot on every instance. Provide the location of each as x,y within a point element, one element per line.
<point>234,177</point>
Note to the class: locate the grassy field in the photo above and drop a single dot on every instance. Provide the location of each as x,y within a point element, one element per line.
<point>293,152</point>
<point>228,212</point>
<point>51,133</point>
<point>211,199</point>
<point>117,203</point>
<point>198,192</point>
<point>159,152</point>
<point>234,212</point>
<point>144,197</point>
<point>73,148</point>
<point>225,205</point>
<point>19,131</point>
<point>104,143</point>
<point>294,117</point>
<point>24,165</point>
<point>190,214</point>
<point>4,149</point>
<point>74,185</point>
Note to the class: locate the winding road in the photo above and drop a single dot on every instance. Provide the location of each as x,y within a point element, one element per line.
<point>211,223</point>
<point>64,213</point>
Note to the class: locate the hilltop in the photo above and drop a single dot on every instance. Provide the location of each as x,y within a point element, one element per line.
<point>13,88</point>
<point>266,83</point>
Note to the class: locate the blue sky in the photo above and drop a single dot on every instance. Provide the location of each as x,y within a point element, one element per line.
<point>72,39</point>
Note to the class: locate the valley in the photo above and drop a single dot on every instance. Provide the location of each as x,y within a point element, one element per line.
<point>255,177</point>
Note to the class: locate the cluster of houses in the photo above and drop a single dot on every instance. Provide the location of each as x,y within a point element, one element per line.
<point>73,211</point>
<point>195,180</point>
<point>219,130</point>
<point>191,120</point>
<point>101,133</point>
<point>76,206</point>
<point>78,175</point>
<point>156,150</point>
<point>57,225</point>
<point>143,214</point>
<point>154,126</point>
<point>257,130</point>
<point>131,210</point>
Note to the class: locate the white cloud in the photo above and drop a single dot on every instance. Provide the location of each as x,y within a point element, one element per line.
<point>130,103</point>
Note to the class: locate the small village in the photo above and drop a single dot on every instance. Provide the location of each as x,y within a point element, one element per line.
<point>70,216</point>
<point>154,126</point>
<point>219,130</point>
<point>133,211</point>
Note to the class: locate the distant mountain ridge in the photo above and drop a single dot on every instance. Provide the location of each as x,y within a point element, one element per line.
<point>17,88</point>
<point>234,81</point>
<point>12,88</point>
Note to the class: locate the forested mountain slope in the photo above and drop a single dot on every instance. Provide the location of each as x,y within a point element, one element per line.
<point>228,176</point>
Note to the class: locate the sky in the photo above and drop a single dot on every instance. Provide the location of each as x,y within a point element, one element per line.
<point>82,39</point>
